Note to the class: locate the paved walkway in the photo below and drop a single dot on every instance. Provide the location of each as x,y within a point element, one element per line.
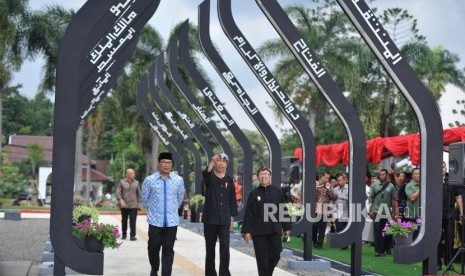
<point>131,257</point>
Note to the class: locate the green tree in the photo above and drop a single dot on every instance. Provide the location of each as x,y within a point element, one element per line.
<point>324,30</point>
<point>40,115</point>
<point>11,180</point>
<point>15,118</point>
<point>12,45</point>
<point>44,33</point>
<point>128,154</point>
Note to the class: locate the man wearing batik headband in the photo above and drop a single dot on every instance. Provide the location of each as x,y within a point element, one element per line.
<point>162,194</point>
<point>219,211</point>
<point>265,231</point>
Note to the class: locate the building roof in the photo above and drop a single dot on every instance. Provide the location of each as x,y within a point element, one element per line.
<point>16,150</point>
<point>95,175</point>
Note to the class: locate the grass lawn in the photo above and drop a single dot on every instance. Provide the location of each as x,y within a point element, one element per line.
<point>370,263</point>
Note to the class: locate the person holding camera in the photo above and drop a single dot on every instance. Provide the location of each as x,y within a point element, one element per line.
<point>265,229</point>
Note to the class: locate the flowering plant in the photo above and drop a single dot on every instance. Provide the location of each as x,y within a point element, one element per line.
<point>107,234</point>
<point>295,209</point>
<point>401,228</point>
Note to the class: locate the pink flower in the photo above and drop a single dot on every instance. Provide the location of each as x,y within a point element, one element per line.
<point>78,225</point>
<point>116,232</point>
<point>104,229</point>
<point>96,227</point>
<point>87,222</point>
<point>84,229</point>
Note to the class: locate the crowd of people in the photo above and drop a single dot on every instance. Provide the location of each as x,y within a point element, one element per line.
<point>390,196</point>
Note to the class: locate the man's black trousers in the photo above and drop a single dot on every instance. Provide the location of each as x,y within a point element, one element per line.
<point>161,237</point>
<point>267,253</point>
<point>132,214</point>
<point>211,232</point>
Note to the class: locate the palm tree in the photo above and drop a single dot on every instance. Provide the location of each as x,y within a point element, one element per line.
<point>44,33</point>
<point>379,104</point>
<point>12,45</point>
<point>93,124</point>
<point>322,28</point>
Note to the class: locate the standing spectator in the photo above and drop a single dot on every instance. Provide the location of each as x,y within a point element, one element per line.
<point>400,180</point>
<point>383,196</point>
<point>330,228</point>
<point>412,190</point>
<point>324,197</point>
<point>265,232</point>
<point>367,234</point>
<point>162,194</point>
<point>219,212</point>
<point>450,196</point>
<point>342,192</point>
<point>128,195</point>
<point>238,189</point>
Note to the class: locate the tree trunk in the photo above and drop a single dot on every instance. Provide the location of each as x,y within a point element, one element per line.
<point>78,163</point>
<point>312,121</point>
<point>154,153</point>
<point>88,168</point>
<point>386,118</point>
<point>1,124</point>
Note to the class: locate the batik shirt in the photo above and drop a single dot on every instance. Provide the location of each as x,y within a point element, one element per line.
<point>129,192</point>
<point>162,198</point>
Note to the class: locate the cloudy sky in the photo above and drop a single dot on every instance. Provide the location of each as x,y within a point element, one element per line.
<point>441,22</point>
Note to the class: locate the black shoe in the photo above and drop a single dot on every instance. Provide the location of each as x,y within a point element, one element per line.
<point>379,254</point>
<point>123,237</point>
<point>133,239</point>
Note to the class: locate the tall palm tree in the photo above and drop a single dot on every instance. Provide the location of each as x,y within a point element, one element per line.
<point>379,104</point>
<point>12,45</point>
<point>93,124</point>
<point>324,30</point>
<point>44,33</point>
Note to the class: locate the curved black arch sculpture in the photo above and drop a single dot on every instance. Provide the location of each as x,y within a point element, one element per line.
<point>144,104</point>
<point>210,124</point>
<point>83,80</point>
<point>429,121</point>
<point>172,145</point>
<point>209,94</point>
<point>351,235</point>
<point>187,140</point>
<point>239,92</point>
<point>300,125</point>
